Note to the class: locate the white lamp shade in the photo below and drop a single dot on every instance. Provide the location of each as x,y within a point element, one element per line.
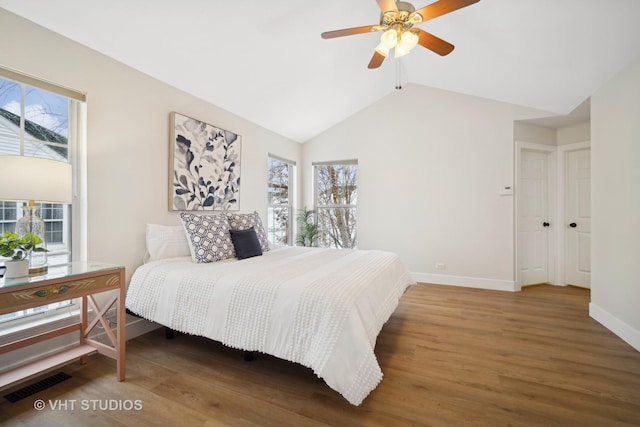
<point>32,178</point>
<point>382,50</point>
<point>389,38</point>
<point>408,40</point>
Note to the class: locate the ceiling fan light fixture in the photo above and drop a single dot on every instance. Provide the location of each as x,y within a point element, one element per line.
<point>408,41</point>
<point>401,51</point>
<point>389,39</point>
<point>382,49</point>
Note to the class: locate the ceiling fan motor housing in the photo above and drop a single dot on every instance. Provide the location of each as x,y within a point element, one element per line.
<point>404,18</point>
<point>405,6</point>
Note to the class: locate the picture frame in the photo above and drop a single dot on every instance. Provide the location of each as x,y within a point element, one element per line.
<point>204,166</point>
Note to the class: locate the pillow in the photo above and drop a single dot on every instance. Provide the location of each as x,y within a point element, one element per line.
<point>208,237</point>
<point>166,241</point>
<point>241,222</point>
<point>246,243</point>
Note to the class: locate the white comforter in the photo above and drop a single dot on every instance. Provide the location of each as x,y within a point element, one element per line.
<point>322,308</point>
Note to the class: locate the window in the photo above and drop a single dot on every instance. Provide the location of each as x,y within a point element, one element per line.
<point>34,121</point>
<point>280,192</point>
<point>57,219</point>
<point>336,196</point>
<point>8,216</point>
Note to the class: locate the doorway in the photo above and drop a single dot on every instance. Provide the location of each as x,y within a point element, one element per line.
<point>578,218</point>
<point>532,195</point>
<point>553,215</point>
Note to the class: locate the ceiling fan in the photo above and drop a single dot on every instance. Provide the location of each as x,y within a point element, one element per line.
<point>397,20</point>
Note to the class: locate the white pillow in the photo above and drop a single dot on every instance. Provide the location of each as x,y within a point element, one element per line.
<point>166,241</point>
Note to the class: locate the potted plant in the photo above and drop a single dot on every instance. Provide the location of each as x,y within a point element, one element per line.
<point>18,248</point>
<point>308,228</point>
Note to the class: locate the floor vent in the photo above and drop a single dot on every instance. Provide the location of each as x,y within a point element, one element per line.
<point>36,387</point>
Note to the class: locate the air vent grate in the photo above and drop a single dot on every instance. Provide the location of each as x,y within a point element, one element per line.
<point>36,387</point>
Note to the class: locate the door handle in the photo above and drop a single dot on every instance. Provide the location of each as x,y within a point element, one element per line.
<point>545,224</point>
<point>573,225</point>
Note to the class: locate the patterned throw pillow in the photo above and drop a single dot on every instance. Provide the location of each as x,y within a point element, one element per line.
<point>208,236</point>
<point>241,222</point>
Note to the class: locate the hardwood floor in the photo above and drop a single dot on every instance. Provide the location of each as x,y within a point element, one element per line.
<point>451,357</point>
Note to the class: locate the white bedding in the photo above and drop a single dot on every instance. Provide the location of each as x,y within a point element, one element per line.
<point>322,308</point>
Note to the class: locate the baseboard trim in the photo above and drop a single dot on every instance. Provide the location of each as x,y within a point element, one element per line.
<point>136,326</point>
<point>465,281</point>
<point>140,326</point>
<point>622,329</point>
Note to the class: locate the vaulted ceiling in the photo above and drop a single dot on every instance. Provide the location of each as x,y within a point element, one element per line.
<point>265,60</point>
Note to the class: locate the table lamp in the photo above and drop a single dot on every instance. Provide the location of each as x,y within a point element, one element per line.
<point>31,180</point>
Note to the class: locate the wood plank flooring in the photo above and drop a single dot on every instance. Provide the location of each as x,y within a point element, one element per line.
<point>450,356</point>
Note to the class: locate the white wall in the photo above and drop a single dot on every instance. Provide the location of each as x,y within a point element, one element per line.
<point>527,132</point>
<point>430,167</point>
<point>579,132</point>
<point>128,137</point>
<point>615,145</point>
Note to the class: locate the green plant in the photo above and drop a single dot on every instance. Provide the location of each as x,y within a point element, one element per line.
<point>307,228</point>
<point>17,248</point>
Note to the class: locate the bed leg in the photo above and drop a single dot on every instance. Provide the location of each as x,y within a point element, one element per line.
<point>248,356</point>
<point>168,333</point>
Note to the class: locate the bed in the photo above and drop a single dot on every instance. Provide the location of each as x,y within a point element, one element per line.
<point>322,308</point>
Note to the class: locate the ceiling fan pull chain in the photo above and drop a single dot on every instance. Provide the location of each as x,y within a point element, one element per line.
<point>398,79</point>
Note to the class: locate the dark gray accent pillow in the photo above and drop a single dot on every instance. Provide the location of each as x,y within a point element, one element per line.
<point>246,243</point>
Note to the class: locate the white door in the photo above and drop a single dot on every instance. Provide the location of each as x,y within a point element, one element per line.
<point>533,218</point>
<point>578,218</point>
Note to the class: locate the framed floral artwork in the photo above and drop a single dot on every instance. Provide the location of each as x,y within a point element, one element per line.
<point>204,166</point>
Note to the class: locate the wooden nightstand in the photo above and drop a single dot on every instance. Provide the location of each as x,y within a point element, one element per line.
<point>79,280</point>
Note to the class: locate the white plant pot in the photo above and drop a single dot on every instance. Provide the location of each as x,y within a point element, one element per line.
<point>14,269</point>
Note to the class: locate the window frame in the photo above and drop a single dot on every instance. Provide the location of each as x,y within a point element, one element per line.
<point>289,231</point>
<point>44,148</point>
<point>73,223</point>
<point>318,207</point>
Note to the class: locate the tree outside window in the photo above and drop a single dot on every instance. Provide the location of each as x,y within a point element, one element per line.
<point>336,196</point>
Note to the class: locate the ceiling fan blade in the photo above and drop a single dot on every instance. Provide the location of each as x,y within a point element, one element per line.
<point>387,5</point>
<point>434,43</point>
<point>348,32</point>
<point>442,7</point>
<point>376,60</point>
